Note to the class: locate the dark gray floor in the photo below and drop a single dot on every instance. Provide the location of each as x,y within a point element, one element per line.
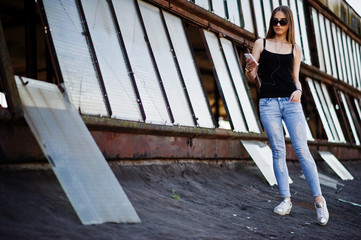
<point>217,200</point>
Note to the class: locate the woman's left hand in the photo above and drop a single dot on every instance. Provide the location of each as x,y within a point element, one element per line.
<point>296,96</point>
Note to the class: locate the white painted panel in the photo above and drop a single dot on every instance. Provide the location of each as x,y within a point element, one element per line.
<point>349,117</point>
<point>352,63</point>
<point>296,23</point>
<point>275,3</point>
<point>75,158</point>
<point>218,8</point>
<point>320,110</point>
<point>324,42</point>
<point>225,82</point>
<point>356,59</point>
<point>336,165</point>
<point>337,52</point>
<point>75,60</point>
<point>153,101</point>
<point>333,113</point>
<point>267,11</point>
<point>118,84</point>
<point>342,54</point>
<point>247,15</point>
<point>166,64</point>
<point>357,103</point>
<point>305,45</point>
<point>261,154</point>
<point>203,3</point>
<point>239,83</point>
<point>260,24</point>
<point>233,12</point>
<point>189,71</point>
<point>331,48</point>
<point>347,58</point>
<point>326,111</point>
<point>3,102</point>
<point>318,39</point>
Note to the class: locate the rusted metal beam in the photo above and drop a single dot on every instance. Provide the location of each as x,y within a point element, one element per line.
<point>8,79</point>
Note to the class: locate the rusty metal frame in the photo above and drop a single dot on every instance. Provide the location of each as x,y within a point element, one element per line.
<point>50,43</point>
<point>170,114</point>
<point>8,81</point>
<point>129,67</point>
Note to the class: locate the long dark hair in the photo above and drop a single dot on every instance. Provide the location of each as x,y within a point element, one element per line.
<point>291,29</point>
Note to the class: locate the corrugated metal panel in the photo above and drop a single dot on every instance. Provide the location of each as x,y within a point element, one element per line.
<point>80,167</point>
<point>189,70</point>
<point>74,57</point>
<point>166,64</point>
<point>237,77</point>
<point>111,60</point>
<point>225,82</point>
<point>139,56</point>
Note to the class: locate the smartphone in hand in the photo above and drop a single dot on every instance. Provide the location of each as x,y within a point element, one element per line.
<point>250,56</point>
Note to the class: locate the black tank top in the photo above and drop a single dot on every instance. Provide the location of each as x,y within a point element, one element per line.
<point>275,73</point>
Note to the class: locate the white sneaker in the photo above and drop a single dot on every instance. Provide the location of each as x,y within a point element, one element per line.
<point>284,207</point>
<point>322,213</point>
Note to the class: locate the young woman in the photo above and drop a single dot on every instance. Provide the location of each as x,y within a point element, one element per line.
<point>280,93</point>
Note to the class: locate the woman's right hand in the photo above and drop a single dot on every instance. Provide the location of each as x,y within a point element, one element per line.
<point>250,64</point>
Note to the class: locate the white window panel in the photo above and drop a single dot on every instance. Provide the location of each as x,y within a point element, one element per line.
<point>139,56</point>
<point>347,58</point>
<point>325,48</point>
<point>342,54</point>
<point>225,83</point>
<point>331,48</point>
<point>305,45</point>
<point>167,67</point>
<point>333,113</point>
<point>260,24</point>
<point>284,2</point>
<point>349,117</point>
<point>121,93</point>
<point>320,110</point>
<point>218,8</point>
<point>233,12</point>
<point>337,52</point>
<point>357,103</point>
<point>247,15</point>
<point>267,11</point>
<point>76,63</point>
<point>203,3</point>
<point>296,23</point>
<point>326,111</point>
<point>352,62</point>
<point>318,39</point>
<point>3,102</point>
<point>189,70</point>
<point>356,58</point>
<point>336,165</point>
<point>239,84</point>
<point>275,3</point>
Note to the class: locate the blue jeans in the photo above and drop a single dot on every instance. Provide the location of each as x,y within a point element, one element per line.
<point>272,111</point>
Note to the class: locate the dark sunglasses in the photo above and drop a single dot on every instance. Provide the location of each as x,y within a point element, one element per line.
<point>282,22</point>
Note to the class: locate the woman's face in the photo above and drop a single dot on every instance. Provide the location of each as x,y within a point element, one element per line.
<point>280,23</point>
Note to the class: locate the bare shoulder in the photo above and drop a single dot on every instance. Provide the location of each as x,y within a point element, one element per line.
<point>258,43</point>
<point>298,50</point>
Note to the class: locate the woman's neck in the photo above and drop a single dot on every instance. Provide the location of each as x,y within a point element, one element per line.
<point>280,38</point>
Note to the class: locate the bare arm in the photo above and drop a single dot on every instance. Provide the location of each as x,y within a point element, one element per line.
<point>251,65</point>
<point>296,95</point>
